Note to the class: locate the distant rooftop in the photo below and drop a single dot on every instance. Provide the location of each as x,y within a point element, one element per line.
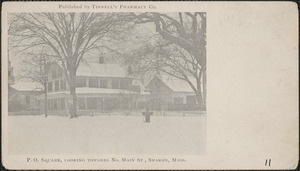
<point>176,84</point>
<point>27,86</point>
<point>101,70</point>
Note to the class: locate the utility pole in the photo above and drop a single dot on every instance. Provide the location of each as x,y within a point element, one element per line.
<point>45,79</point>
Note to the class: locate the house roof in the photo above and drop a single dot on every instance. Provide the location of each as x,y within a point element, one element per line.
<point>101,70</point>
<point>176,84</point>
<point>27,86</point>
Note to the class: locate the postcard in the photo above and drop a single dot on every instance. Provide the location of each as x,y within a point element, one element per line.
<point>150,85</point>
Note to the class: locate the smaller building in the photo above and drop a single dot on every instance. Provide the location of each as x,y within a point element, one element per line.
<point>169,93</point>
<point>22,96</point>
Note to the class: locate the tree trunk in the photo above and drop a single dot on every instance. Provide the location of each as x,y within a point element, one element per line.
<point>199,98</point>
<point>46,99</point>
<point>73,109</point>
<point>199,95</point>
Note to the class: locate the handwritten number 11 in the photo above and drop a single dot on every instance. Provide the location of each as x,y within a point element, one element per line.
<point>268,162</point>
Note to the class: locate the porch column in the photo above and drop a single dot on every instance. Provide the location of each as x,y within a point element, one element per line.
<point>86,103</point>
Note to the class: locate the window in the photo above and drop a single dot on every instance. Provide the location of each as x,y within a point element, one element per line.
<point>56,85</point>
<point>124,84</point>
<point>191,99</point>
<point>53,104</point>
<point>103,83</point>
<point>92,103</point>
<point>63,85</point>
<point>100,102</point>
<point>101,60</point>
<point>80,82</point>
<point>42,104</point>
<point>50,86</point>
<point>115,84</point>
<point>178,100</point>
<point>116,102</point>
<point>125,103</point>
<point>81,103</point>
<point>27,100</point>
<point>93,82</point>
<point>62,103</point>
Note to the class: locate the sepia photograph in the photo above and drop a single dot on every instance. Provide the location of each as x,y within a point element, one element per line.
<point>102,83</point>
<point>149,85</point>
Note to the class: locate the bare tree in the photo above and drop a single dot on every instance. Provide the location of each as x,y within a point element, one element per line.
<point>37,70</point>
<point>70,36</point>
<point>183,52</point>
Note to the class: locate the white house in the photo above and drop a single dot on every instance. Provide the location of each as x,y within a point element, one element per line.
<point>100,87</point>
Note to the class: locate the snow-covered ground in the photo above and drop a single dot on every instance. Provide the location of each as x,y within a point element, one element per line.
<point>100,135</point>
